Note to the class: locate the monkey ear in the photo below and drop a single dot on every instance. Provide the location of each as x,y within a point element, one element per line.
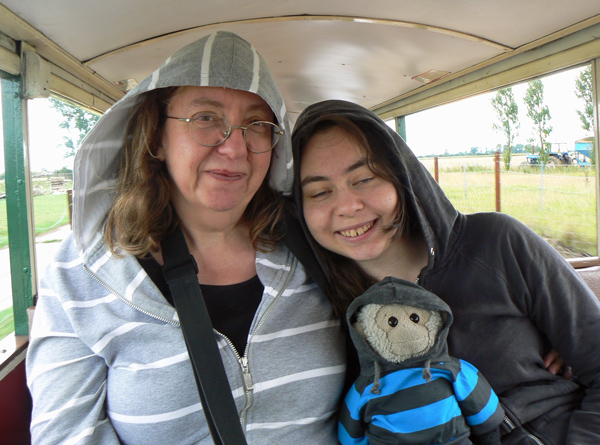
<point>359,328</point>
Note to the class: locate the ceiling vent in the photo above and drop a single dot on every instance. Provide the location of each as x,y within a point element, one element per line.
<point>126,84</point>
<point>430,76</point>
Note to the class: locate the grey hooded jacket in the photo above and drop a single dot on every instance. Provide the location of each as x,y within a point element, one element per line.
<point>513,297</point>
<point>107,362</point>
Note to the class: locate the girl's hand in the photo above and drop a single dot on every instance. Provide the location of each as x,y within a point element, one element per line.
<point>554,364</point>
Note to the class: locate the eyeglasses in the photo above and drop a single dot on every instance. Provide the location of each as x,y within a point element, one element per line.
<point>210,130</point>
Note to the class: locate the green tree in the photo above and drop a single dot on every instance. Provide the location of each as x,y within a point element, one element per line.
<point>583,90</point>
<point>507,113</point>
<point>540,115</point>
<point>76,121</point>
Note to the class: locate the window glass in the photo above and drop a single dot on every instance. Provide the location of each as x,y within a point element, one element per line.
<point>6,315</point>
<point>552,190</point>
<point>55,131</point>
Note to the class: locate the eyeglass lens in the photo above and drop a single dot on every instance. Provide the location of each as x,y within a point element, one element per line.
<point>211,129</point>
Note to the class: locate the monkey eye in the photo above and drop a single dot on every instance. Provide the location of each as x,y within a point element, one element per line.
<point>414,318</point>
<point>393,322</point>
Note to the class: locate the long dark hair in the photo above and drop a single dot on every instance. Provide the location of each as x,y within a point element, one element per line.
<point>347,279</point>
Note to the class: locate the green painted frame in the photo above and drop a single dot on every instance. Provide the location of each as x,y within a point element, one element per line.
<point>17,208</point>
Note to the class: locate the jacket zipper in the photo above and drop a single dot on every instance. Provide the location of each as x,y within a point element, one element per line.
<point>247,377</point>
<point>243,361</point>
<point>512,426</point>
<point>129,303</point>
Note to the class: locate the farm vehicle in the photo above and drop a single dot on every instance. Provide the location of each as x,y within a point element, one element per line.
<point>555,157</point>
<point>583,155</point>
<point>584,152</point>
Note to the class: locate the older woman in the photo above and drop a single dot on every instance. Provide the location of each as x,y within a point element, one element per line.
<point>190,147</point>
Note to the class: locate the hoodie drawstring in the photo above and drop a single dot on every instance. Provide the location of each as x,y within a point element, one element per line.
<point>376,384</point>
<point>427,371</point>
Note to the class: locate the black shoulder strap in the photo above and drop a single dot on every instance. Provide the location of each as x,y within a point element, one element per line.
<point>296,241</point>
<point>180,271</point>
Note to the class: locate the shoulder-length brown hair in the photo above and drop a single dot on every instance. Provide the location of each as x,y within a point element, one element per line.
<point>347,280</point>
<point>141,214</point>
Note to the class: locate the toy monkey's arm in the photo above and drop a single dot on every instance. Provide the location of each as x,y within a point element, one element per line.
<point>478,402</point>
<point>351,427</point>
<point>490,438</point>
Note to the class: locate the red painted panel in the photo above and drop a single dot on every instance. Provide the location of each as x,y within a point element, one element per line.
<point>15,408</point>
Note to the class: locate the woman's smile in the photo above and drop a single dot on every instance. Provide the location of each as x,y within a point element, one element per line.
<point>226,175</point>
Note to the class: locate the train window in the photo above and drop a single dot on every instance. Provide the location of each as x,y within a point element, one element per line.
<point>55,130</point>
<point>547,178</point>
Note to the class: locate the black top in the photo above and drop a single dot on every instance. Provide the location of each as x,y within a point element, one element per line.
<point>231,307</point>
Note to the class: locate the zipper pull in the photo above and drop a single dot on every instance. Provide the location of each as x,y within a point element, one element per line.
<point>246,373</point>
<point>511,426</point>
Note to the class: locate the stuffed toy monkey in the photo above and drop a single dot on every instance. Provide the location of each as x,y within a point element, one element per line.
<point>409,389</point>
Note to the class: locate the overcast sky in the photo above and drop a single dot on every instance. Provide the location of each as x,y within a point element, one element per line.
<point>455,127</point>
<point>45,138</point>
<point>461,125</point>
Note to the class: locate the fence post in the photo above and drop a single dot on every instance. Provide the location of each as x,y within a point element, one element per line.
<point>542,168</point>
<point>436,173</point>
<point>497,169</point>
<point>465,181</point>
<point>70,206</point>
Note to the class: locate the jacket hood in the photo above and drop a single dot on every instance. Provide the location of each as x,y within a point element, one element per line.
<point>396,291</point>
<point>428,206</point>
<point>221,59</point>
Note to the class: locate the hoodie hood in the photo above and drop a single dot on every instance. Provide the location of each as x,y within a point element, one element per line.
<point>221,59</point>
<point>426,202</point>
<point>396,291</point>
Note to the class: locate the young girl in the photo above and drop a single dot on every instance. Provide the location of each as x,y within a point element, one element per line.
<point>371,210</point>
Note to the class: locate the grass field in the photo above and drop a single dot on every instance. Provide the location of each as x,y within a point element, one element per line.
<point>559,204</point>
<point>7,323</point>
<point>50,211</point>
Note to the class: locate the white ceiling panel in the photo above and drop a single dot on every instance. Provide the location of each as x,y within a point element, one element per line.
<point>315,48</point>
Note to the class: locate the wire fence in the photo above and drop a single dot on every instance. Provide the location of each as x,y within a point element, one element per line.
<point>558,203</point>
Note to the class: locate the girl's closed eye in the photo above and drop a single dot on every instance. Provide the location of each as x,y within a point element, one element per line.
<point>317,194</point>
<point>365,180</point>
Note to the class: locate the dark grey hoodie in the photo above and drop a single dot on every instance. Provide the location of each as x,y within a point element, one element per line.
<point>513,297</point>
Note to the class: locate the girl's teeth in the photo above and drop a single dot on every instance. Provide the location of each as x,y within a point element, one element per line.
<point>356,232</point>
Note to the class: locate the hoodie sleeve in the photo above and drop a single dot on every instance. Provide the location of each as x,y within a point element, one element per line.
<point>68,408</point>
<point>351,427</point>
<point>479,404</point>
<point>569,314</point>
